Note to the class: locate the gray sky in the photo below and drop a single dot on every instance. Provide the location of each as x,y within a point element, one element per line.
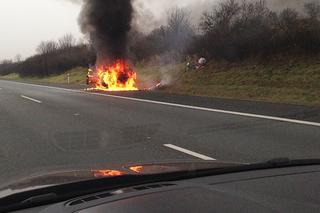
<point>24,23</point>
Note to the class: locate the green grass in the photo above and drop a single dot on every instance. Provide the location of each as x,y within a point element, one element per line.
<point>12,76</point>
<point>76,75</point>
<point>296,81</point>
<point>278,82</point>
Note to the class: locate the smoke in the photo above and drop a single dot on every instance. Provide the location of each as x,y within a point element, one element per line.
<point>107,23</point>
<point>144,18</point>
<point>151,14</point>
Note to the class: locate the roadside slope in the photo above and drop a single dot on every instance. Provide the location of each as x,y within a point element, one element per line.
<point>294,81</point>
<point>76,76</point>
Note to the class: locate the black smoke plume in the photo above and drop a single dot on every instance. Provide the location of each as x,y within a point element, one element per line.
<point>107,23</point>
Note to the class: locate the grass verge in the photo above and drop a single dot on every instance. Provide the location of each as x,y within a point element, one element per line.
<point>76,76</point>
<point>294,81</point>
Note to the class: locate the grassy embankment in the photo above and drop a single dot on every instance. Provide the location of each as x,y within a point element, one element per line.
<point>295,81</point>
<point>77,76</point>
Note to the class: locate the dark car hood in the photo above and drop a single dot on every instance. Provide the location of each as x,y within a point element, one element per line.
<point>69,176</point>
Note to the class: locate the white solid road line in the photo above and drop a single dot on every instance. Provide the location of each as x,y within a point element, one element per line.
<point>48,87</point>
<point>31,99</point>
<point>294,121</point>
<point>186,151</point>
<point>216,110</point>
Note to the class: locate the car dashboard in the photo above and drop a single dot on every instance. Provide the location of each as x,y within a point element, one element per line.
<point>294,189</point>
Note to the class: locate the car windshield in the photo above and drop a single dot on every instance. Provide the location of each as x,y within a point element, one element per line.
<point>102,86</point>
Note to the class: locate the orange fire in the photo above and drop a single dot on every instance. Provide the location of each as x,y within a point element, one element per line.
<point>106,173</point>
<point>136,169</point>
<point>116,77</point>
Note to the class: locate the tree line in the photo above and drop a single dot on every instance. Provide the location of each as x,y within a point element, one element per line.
<point>53,57</point>
<point>232,30</point>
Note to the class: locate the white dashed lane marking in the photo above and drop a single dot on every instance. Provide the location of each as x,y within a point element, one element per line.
<point>31,99</point>
<point>189,152</point>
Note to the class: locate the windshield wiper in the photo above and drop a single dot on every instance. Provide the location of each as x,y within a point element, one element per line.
<point>59,193</point>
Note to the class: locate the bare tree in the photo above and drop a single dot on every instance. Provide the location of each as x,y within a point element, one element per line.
<point>220,17</point>
<point>312,9</point>
<point>18,58</point>
<point>178,20</point>
<point>67,41</point>
<point>179,29</point>
<point>289,21</point>
<point>6,62</point>
<point>47,47</point>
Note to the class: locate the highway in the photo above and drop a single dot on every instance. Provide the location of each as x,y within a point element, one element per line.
<point>44,128</point>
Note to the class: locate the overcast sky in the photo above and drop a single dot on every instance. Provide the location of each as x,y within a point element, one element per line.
<point>24,23</point>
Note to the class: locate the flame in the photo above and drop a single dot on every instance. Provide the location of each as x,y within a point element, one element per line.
<point>106,173</point>
<point>136,169</point>
<point>115,77</point>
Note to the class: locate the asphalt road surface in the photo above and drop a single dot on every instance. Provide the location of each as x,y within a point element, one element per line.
<point>44,128</point>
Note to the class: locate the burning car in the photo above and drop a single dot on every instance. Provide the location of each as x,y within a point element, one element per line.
<point>107,24</point>
<point>115,77</point>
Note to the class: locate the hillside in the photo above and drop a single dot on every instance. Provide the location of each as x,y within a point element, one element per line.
<point>295,81</point>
